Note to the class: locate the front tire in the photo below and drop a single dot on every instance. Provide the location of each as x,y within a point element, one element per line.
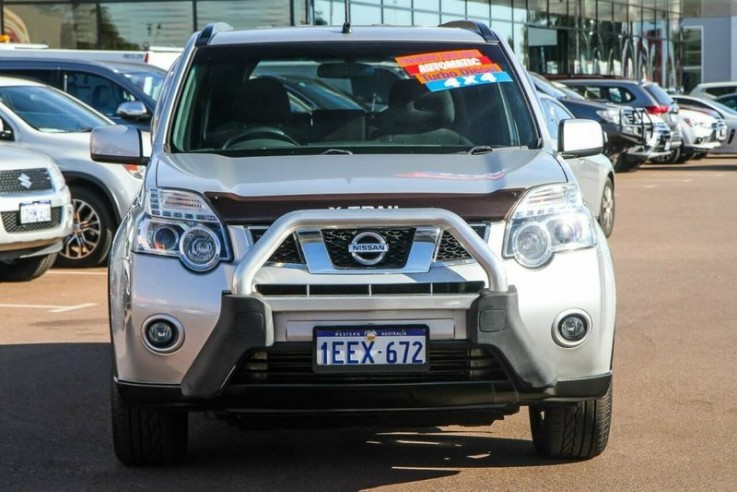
<point>572,430</point>
<point>146,435</point>
<point>607,208</point>
<point>24,269</point>
<point>93,228</point>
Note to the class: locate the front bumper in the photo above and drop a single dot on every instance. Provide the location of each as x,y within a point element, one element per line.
<point>208,371</point>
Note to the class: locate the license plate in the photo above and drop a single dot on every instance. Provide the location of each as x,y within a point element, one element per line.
<point>30,213</point>
<point>666,146</point>
<point>381,348</point>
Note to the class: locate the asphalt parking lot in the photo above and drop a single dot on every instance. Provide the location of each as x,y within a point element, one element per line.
<point>675,411</point>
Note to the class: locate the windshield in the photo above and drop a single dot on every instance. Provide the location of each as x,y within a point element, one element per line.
<point>723,108</point>
<point>148,82</point>
<point>350,98</point>
<point>49,110</point>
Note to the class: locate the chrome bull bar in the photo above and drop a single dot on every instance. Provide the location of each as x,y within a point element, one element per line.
<point>288,224</point>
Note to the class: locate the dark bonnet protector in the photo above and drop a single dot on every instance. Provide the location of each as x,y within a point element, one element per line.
<point>236,209</point>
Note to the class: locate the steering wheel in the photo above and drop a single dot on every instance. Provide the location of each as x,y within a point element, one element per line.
<point>266,132</point>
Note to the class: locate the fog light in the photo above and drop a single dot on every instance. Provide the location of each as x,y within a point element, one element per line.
<point>571,328</point>
<point>162,335</point>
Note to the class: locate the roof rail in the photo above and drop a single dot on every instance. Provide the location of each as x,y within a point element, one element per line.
<point>476,27</point>
<point>210,30</point>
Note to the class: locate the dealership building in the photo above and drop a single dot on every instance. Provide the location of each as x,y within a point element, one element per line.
<point>674,42</point>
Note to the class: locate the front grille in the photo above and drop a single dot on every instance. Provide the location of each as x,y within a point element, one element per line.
<point>11,222</point>
<point>399,241</point>
<point>449,361</point>
<point>337,242</point>
<point>451,250</point>
<point>288,252</point>
<point>39,180</point>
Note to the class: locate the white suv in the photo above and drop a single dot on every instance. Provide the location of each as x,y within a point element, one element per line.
<point>420,255</point>
<point>36,212</point>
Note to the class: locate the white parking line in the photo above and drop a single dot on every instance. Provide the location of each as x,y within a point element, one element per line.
<point>663,180</point>
<point>49,308</point>
<point>72,272</point>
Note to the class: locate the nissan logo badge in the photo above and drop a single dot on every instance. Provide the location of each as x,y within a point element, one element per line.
<point>368,248</point>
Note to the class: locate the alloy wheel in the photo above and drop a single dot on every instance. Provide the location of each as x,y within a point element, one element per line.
<point>86,232</point>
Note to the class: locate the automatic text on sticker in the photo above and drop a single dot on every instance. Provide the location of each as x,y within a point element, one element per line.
<point>452,69</point>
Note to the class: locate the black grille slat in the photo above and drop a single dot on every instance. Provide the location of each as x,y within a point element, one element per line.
<point>11,222</point>
<point>39,178</point>
<point>415,288</point>
<point>399,242</point>
<point>451,250</point>
<point>288,251</point>
<point>291,363</point>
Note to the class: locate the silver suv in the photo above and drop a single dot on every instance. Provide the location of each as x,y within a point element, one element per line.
<point>420,256</point>
<point>40,118</point>
<point>36,213</point>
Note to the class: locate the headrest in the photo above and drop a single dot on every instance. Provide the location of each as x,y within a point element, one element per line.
<point>262,100</point>
<point>412,106</point>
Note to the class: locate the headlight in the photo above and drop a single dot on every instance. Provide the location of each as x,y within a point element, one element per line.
<point>609,115</point>
<point>56,177</point>
<point>183,225</point>
<point>547,220</point>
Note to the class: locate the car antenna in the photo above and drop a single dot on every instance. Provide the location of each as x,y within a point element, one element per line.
<point>347,23</point>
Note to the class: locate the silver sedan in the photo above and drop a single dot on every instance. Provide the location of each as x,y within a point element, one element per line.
<point>729,145</point>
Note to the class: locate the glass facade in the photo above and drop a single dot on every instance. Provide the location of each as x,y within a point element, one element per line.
<point>629,38</point>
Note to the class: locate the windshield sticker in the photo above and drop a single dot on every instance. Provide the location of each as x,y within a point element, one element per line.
<point>452,69</point>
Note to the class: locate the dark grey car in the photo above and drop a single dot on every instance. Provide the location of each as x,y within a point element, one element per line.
<point>124,92</point>
<point>638,94</point>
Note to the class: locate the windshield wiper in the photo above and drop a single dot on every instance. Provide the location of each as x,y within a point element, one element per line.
<point>479,150</point>
<point>337,151</point>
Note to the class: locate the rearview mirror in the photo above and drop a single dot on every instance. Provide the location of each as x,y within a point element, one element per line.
<point>580,138</point>
<point>347,70</point>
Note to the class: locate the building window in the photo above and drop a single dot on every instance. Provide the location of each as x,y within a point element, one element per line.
<point>692,57</point>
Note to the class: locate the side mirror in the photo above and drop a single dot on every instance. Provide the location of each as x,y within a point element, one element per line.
<point>580,138</point>
<point>119,144</point>
<point>133,110</point>
<point>6,133</point>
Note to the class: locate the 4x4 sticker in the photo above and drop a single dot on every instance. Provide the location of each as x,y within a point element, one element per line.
<point>445,70</point>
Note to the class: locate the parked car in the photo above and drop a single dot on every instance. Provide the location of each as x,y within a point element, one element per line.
<point>629,131</point>
<point>124,92</point>
<point>36,213</point>
<point>160,56</point>
<point>595,173</point>
<point>730,100</point>
<point>729,117</point>
<point>38,117</point>
<point>701,132</point>
<point>638,94</point>
<point>436,266</point>
<point>712,90</point>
